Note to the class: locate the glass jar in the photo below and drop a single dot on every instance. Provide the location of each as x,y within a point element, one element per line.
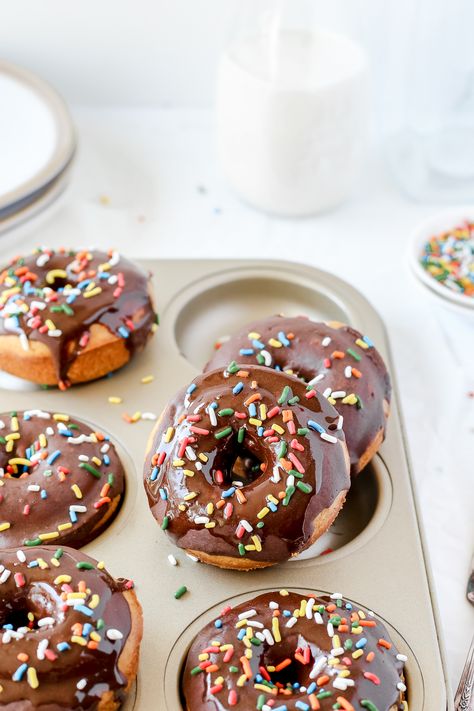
<point>292,109</point>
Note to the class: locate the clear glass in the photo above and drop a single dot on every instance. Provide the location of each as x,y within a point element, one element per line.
<point>292,108</point>
<point>429,104</point>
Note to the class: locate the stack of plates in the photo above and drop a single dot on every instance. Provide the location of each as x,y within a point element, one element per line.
<point>37,145</point>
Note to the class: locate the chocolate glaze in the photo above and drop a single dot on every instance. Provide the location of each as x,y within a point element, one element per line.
<point>196,688</point>
<point>170,475</point>
<point>40,594</point>
<point>305,357</point>
<point>124,300</point>
<point>36,499</point>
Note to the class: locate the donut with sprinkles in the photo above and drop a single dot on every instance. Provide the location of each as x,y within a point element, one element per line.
<point>246,467</point>
<point>284,651</point>
<point>71,316</point>
<point>70,632</point>
<point>61,481</point>
<point>333,358</point>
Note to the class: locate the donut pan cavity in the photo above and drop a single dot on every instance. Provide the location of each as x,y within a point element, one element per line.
<point>377,554</point>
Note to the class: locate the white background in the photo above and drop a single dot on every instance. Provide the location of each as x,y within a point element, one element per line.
<point>163,52</point>
<point>145,70</point>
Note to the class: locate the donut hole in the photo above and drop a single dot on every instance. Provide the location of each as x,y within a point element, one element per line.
<point>18,617</point>
<point>60,271</point>
<point>58,284</point>
<point>293,675</point>
<point>16,471</point>
<point>237,463</point>
<point>245,469</point>
<point>56,277</point>
<point>38,602</point>
<point>295,668</point>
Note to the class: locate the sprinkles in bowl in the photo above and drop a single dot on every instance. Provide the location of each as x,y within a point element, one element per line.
<point>448,257</point>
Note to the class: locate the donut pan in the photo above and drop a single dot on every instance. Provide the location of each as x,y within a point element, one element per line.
<point>376,549</point>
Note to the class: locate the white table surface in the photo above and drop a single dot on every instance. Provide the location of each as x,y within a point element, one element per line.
<point>146,182</point>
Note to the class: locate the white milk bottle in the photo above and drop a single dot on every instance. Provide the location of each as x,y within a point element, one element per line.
<point>292,116</point>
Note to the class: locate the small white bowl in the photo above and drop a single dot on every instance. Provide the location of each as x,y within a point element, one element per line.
<point>433,226</point>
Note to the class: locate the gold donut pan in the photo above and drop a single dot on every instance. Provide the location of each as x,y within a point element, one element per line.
<point>379,558</point>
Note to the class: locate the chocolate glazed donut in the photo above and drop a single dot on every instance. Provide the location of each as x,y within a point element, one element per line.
<point>61,481</point>
<point>71,633</point>
<point>70,317</point>
<point>335,359</point>
<point>246,468</point>
<point>289,651</point>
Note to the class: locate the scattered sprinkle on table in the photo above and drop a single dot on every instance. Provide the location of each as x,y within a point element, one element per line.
<point>137,416</point>
<point>180,592</point>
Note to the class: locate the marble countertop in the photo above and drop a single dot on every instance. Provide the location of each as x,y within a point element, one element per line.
<point>146,182</point>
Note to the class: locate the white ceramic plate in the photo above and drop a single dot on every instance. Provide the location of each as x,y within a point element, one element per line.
<point>37,140</point>
<point>33,209</point>
<point>435,225</point>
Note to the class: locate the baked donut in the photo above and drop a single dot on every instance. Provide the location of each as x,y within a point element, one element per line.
<point>335,359</point>
<point>294,652</point>
<point>60,480</point>
<point>246,468</point>
<point>71,633</point>
<point>72,316</point>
